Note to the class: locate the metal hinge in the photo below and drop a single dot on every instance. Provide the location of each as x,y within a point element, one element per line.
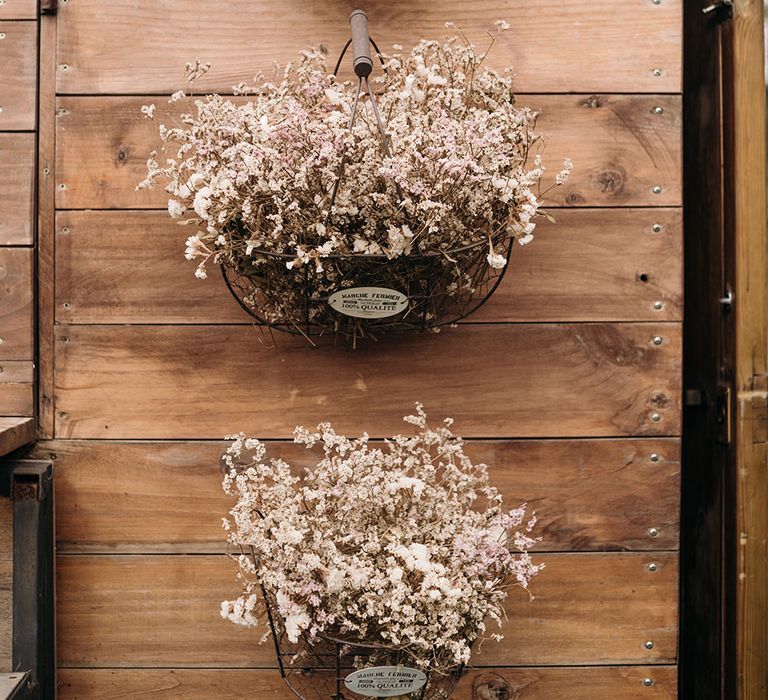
<point>49,7</point>
<point>722,9</point>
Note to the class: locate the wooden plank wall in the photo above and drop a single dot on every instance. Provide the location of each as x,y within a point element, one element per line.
<point>568,382</point>
<point>18,122</point>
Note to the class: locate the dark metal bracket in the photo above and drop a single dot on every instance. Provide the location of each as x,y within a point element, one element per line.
<point>29,483</point>
<point>721,10</point>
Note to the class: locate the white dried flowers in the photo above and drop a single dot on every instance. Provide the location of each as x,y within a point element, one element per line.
<point>405,545</point>
<point>255,175</point>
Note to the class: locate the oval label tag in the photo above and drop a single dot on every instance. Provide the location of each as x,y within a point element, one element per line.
<point>368,302</point>
<point>385,681</point>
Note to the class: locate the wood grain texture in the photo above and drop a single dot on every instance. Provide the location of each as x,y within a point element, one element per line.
<point>746,248</point>
<point>18,82</point>
<point>46,212</point>
<point>585,683</point>
<point>594,265</point>
<point>553,46</point>
<point>589,494</point>
<point>16,399</point>
<point>620,149</point>
<point>18,9</point>
<point>162,611</point>
<point>496,380</point>
<point>17,182</point>
<point>15,432</point>
<point>16,304</point>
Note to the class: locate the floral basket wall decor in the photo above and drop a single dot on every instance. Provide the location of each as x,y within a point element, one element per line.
<point>377,570</point>
<point>350,208</point>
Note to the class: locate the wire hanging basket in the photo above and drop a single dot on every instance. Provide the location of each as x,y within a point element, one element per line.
<point>321,670</point>
<point>371,293</point>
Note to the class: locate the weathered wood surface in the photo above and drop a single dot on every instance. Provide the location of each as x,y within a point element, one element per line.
<point>16,371</point>
<point>589,494</point>
<point>15,432</point>
<point>18,80</point>
<point>6,579</point>
<point>16,399</point>
<point>18,9</point>
<point>526,380</point>
<point>621,149</point>
<point>594,265</point>
<point>46,213</point>
<point>16,305</point>
<point>746,250</point>
<point>17,180</point>
<point>162,611</point>
<point>121,47</point>
<point>584,683</point>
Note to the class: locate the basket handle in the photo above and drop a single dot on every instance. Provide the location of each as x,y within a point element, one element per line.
<point>361,48</point>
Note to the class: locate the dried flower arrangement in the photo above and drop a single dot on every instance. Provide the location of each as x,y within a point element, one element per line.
<point>307,188</point>
<point>396,554</point>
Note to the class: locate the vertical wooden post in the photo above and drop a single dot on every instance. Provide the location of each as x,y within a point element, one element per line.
<point>749,467</point>
<point>46,224</point>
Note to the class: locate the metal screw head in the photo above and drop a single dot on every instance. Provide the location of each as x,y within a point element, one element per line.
<point>656,228</point>
<point>1,108</point>
<point>658,305</point>
<point>2,36</point>
<point>649,644</point>
<point>656,2</point>
<point>653,532</point>
<point>1,341</point>
<point>655,417</point>
<point>65,229</point>
<point>657,72</point>
<point>652,567</point>
<point>64,66</point>
<point>658,109</point>
<point>65,305</point>
<point>654,457</point>
<point>657,340</point>
<point>657,189</point>
<point>62,186</point>
<point>648,681</point>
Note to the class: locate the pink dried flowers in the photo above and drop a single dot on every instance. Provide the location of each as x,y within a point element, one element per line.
<point>404,545</point>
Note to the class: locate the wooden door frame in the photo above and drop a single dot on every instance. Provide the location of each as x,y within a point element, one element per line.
<point>724,615</point>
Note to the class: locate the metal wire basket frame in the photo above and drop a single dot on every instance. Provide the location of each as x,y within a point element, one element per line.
<point>305,310</point>
<point>316,670</point>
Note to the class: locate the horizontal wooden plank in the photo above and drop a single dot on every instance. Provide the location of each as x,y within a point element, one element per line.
<point>558,46</point>
<point>15,432</point>
<point>524,380</point>
<point>594,265</point>
<point>16,371</point>
<point>578,683</point>
<point>589,494</point>
<point>162,611</point>
<point>16,304</point>
<point>18,9</point>
<point>18,84</point>
<point>17,183</point>
<point>620,149</point>
<point>16,399</point>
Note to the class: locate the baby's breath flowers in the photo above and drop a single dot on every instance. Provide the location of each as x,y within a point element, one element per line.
<point>404,545</point>
<point>254,175</point>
